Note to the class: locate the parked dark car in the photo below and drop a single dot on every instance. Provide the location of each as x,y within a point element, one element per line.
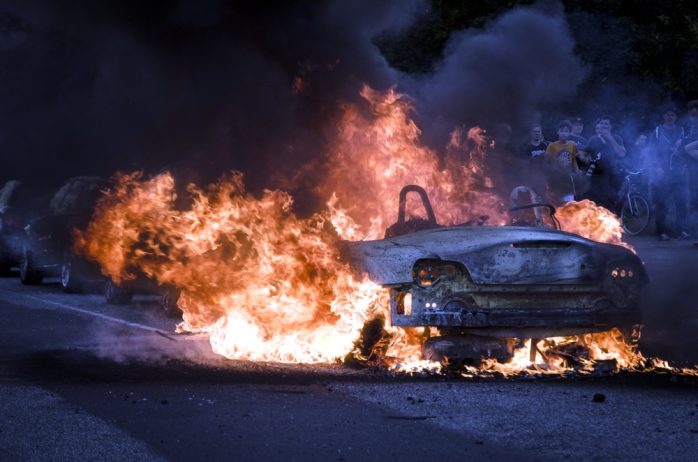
<point>18,205</point>
<point>48,242</point>
<point>482,286</point>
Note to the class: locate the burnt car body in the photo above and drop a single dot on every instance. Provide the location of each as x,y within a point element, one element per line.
<point>481,286</point>
<point>48,242</point>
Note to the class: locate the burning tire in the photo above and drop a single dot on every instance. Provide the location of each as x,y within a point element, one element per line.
<point>116,295</point>
<point>29,275</point>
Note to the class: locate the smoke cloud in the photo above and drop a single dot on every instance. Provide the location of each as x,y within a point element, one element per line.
<point>203,88</point>
<point>517,65</point>
<point>199,88</point>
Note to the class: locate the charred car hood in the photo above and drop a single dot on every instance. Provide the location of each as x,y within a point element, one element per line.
<point>492,255</point>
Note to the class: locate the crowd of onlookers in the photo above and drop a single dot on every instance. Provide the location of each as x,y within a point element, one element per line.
<point>576,166</point>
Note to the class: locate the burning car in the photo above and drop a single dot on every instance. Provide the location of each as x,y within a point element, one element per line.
<point>483,287</point>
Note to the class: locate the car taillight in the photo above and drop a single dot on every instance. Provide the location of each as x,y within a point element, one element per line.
<point>622,272</point>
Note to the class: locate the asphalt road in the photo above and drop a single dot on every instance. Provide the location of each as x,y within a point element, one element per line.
<point>83,380</point>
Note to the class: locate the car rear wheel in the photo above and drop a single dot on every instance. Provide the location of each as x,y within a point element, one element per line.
<point>116,295</point>
<point>27,274</point>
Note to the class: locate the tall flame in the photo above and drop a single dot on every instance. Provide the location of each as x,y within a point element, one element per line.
<point>375,155</point>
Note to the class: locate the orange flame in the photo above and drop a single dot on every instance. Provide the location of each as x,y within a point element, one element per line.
<point>375,156</point>
<point>580,353</point>
<point>265,284</point>
<point>591,221</point>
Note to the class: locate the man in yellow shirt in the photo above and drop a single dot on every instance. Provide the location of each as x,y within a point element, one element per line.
<point>565,181</point>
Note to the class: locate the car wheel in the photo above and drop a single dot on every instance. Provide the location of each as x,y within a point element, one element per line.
<point>116,295</point>
<point>70,280</point>
<point>169,303</point>
<point>27,274</point>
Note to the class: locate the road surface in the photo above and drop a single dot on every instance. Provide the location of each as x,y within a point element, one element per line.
<point>81,379</point>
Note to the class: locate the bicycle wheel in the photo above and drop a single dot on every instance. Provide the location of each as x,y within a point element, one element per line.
<point>635,214</point>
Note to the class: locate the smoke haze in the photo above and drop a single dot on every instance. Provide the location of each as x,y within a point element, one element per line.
<point>520,63</point>
<point>89,88</point>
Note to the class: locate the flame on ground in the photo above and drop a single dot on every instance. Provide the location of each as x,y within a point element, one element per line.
<point>593,353</point>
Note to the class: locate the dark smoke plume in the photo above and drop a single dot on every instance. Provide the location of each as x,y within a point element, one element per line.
<point>198,87</point>
<point>519,64</point>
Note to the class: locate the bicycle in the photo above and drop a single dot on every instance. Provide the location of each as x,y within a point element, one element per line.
<point>634,208</point>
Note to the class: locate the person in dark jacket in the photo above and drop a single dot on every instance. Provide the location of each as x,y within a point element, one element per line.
<point>667,173</point>
<point>605,152</point>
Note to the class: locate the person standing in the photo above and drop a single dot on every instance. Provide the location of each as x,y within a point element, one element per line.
<point>564,178</point>
<point>605,152</point>
<point>530,171</point>
<point>691,137</point>
<point>667,169</point>
<point>534,149</point>
<point>637,152</point>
